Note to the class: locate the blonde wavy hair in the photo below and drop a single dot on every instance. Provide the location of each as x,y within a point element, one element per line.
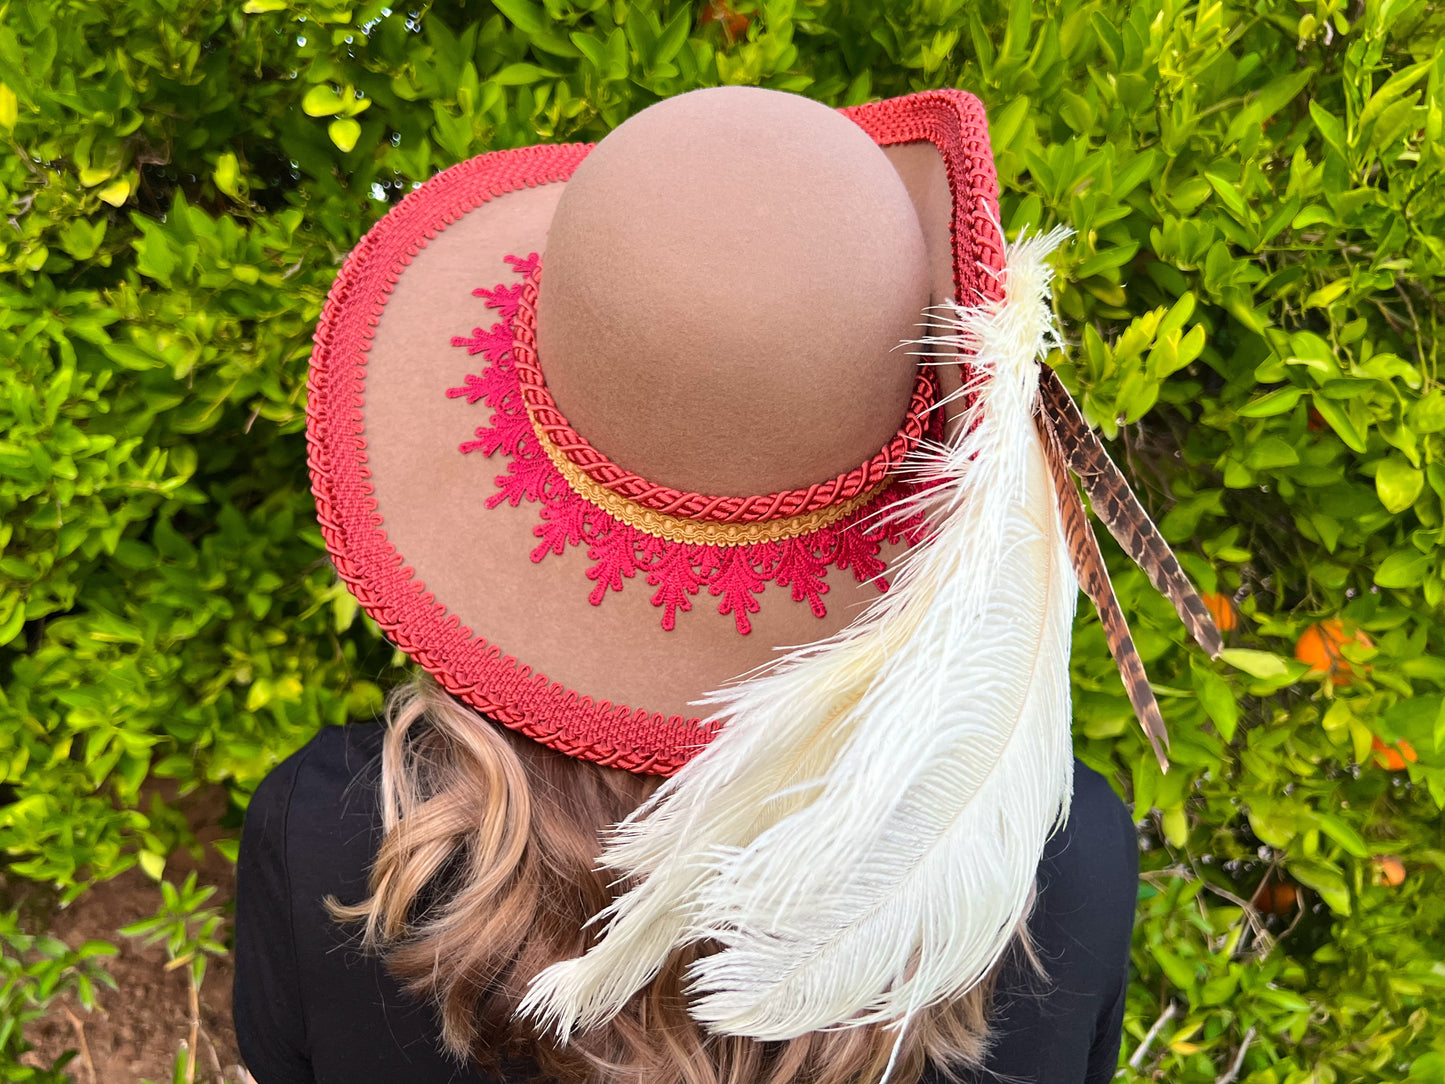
<point>487,874</point>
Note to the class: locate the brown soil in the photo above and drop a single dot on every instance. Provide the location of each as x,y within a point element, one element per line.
<point>137,1031</point>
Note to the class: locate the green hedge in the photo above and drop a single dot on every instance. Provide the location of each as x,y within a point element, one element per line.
<point>1255,295</point>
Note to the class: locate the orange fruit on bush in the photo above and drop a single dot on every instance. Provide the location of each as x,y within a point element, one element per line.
<point>1319,645</point>
<point>1393,759</point>
<point>1275,898</point>
<point>734,23</point>
<point>1389,870</point>
<point>1221,608</point>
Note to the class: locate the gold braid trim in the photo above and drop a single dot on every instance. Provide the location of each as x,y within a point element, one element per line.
<point>692,531</point>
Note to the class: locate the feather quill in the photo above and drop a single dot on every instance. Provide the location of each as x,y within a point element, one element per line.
<point>1094,579</point>
<point>862,836</point>
<point>1115,504</point>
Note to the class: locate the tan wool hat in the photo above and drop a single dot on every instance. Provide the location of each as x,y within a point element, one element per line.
<point>635,449</point>
<point>700,476</point>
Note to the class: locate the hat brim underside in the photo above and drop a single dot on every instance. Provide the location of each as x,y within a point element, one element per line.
<point>404,513</point>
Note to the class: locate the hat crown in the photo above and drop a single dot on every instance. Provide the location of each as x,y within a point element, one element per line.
<point>726,281</point>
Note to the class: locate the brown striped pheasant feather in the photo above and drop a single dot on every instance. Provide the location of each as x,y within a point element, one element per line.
<point>1115,504</point>
<point>1093,577</point>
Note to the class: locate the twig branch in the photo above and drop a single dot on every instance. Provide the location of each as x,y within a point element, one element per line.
<point>1264,943</point>
<point>84,1046</point>
<point>1143,1048</point>
<point>195,1000</point>
<point>1233,1074</point>
<point>215,1059</point>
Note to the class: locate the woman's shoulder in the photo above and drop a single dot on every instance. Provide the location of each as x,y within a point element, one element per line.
<point>320,806</point>
<point>330,767</point>
<point>311,1004</point>
<point>329,761</point>
<point>1064,1025</point>
<point>1096,810</point>
<point>1094,859</point>
<point>1088,879</point>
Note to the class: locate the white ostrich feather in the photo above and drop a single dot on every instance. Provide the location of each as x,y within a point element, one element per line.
<point>862,836</point>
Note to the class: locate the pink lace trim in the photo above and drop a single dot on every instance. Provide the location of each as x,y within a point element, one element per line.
<point>678,571</point>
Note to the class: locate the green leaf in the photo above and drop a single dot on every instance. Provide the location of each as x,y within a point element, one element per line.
<point>1274,830</point>
<point>227,848</point>
<point>1180,973</point>
<point>1132,175</point>
<point>526,16</point>
<point>521,74</point>
<point>618,57</point>
<point>260,7</point>
<point>1348,839</point>
<point>1403,568</point>
<point>1217,699</point>
<point>1271,403</point>
<point>1180,312</point>
<point>1228,194</point>
<point>1335,416</point>
<point>1260,664</point>
<point>1282,91</point>
<point>1398,484</point>
<point>1109,38</point>
<point>116,193</point>
<point>80,237</point>
<point>592,48</point>
<point>1325,878</point>
<point>344,132</point>
<point>8,110</point>
<point>1175,824</point>
<point>12,624</point>
<point>1270,453</point>
<point>227,173</point>
<point>1005,124</point>
<point>1326,296</point>
<point>1427,415</point>
<point>1428,1068</point>
<point>1285,999</point>
<point>1016,30</point>
<point>1106,260</point>
<point>1414,717</point>
<point>1392,91</point>
<point>152,864</point>
<point>1330,127</point>
<point>322,101</point>
<point>674,36</point>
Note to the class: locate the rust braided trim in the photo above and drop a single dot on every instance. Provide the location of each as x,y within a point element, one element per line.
<point>845,492</point>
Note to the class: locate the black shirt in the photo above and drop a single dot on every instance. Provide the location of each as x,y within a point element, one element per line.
<point>312,1009</point>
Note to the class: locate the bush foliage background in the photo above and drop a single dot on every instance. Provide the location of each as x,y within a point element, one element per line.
<point>1254,292</point>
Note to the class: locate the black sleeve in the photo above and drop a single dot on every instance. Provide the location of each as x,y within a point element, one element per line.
<point>311,1006</point>
<point>1064,1027</point>
<point>1104,1053</point>
<point>266,993</point>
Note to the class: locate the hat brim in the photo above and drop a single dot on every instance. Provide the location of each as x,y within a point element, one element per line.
<point>405,517</point>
